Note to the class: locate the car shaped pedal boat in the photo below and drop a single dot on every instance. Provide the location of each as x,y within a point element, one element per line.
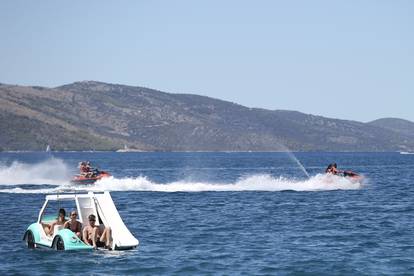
<point>99,204</point>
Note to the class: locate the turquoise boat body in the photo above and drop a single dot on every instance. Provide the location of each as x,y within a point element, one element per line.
<point>70,240</point>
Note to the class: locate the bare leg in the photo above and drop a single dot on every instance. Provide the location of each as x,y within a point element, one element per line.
<point>107,236</point>
<point>51,228</point>
<point>94,236</point>
<point>46,228</point>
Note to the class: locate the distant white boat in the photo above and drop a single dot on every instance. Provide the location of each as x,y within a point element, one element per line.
<point>47,148</point>
<point>126,149</point>
<point>406,152</point>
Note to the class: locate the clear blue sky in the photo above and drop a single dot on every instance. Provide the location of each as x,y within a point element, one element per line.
<point>341,59</point>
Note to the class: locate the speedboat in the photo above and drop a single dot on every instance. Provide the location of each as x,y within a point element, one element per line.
<point>99,204</point>
<point>86,180</point>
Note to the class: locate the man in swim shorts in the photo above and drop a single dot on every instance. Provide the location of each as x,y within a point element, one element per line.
<point>94,235</point>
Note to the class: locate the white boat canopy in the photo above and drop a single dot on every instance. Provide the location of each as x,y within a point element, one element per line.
<point>102,206</point>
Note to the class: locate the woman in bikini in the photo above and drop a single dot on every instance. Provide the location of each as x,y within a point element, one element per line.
<point>59,221</point>
<point>74,225</point>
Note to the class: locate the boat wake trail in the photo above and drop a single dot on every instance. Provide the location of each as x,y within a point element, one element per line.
<point>263,182</point>
<point>52,171</point>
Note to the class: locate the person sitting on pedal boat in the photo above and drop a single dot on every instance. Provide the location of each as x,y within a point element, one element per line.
<point>94,236</point>
<point>74,225</point>
<point>59,221</point>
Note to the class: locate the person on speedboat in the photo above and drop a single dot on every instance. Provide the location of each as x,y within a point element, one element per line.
<point>94,236</point>
<point>74,225</point>
<point>59,221</point>
<point>332,169</point>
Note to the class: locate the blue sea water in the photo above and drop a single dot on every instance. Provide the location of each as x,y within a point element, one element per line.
<point>223,213</point>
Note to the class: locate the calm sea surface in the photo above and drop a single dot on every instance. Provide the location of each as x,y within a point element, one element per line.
<point>223,213</point>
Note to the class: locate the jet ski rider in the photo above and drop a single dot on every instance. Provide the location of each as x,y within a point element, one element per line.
<point>85,169</point>
<point>332,169</point>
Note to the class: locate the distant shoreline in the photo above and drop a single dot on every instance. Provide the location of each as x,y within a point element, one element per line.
<point>192,151</point>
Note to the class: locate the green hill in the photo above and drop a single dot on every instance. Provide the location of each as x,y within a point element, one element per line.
<point>93,115</point>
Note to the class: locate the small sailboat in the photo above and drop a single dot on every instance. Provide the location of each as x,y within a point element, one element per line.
<point>47,148</point>
<point>127,149</point>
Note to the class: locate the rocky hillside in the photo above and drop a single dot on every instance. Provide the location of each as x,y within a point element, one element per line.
<point>99,116</point>
<point>398,125</point>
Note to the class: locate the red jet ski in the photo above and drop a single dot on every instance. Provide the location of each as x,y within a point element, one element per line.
<point>353,176</point>
<point>85,180</point>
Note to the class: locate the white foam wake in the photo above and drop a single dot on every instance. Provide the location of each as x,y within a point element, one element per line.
<point>264,182</point>
<point>51,171</point>
<point>252,183</point>
<point>32,191</point>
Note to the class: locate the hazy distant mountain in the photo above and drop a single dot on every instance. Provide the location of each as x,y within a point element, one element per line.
<point>398,125</point>
<point>100,116</point>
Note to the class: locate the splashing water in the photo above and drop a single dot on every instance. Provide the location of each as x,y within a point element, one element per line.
<point>51,171</point>
<point>263,182</point>
<point>293,157</point>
